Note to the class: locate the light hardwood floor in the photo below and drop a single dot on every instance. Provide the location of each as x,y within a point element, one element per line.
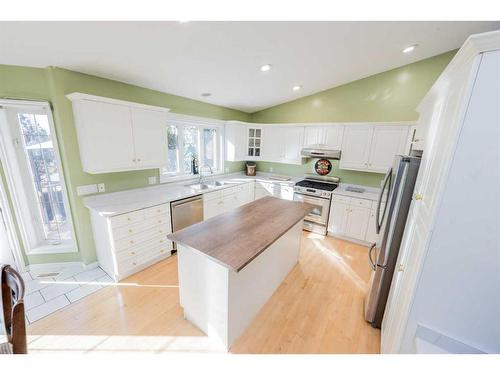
<point>317,309</point>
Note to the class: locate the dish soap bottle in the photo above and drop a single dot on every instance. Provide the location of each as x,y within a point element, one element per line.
<point>194,165</point>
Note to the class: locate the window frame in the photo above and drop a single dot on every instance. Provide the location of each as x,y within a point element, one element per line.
<point>21,201</point>
<point>183,121</point>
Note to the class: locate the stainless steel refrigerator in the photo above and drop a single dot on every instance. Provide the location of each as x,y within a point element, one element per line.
<point>397,193</point>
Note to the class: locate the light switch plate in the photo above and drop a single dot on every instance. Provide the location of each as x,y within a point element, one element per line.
<point>101,188</point>
<point>152,180</point>
<point>86,189</point>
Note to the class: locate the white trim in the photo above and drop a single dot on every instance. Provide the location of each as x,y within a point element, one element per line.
<point>6,155</point>
<point>9,221</point>
<point>306,124</point>
<point>195,119</point>
<point>202,123</point>
<point>75,96</point>
<point>55,266</point>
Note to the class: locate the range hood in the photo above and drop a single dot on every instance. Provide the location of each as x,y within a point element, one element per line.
<point>320,152</point>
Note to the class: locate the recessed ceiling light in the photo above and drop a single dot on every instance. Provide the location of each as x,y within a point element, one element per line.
<point>206,94</point>
<point>265,68</point>
<point>410,48</point>
<point>296,88</point>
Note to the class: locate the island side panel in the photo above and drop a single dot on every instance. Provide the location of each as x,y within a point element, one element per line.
<point>203,293</point>
<point>250,288</point>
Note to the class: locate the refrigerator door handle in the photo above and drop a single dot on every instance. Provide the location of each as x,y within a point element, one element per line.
<point>372,263</point>
<point>378,219</point>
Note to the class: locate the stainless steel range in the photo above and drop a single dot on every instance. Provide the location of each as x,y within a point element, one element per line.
<point>318,192</point>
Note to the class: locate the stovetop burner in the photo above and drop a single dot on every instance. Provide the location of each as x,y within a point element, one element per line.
<point>317,185</point>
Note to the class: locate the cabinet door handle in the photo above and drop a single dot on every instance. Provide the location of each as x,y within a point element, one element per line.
<point>134,160</point>
<point>372,263</point>
<point>131,241</point>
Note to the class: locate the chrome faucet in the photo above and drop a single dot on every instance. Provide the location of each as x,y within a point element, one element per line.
<point>200,181</point>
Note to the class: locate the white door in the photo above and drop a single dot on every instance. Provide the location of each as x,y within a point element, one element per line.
<point>108,131</point>
<point>338,218</point>
<point>371,230</point>
<point>312,135</point>
<point>6,256</point>
<point>292,140</point>
<point>273,149</point>
<point>332,136</point>
<point>357,222</point>
<point>356,147</point>
<point>212,208</point>
<point>236,136</point>
<point>150,137</point>
<point>387,142</point>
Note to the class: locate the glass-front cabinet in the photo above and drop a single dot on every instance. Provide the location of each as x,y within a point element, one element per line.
<point>254,143</point>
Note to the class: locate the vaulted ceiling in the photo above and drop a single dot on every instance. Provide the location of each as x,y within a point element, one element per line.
<point>224,58</point>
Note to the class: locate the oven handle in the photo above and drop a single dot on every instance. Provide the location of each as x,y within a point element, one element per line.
<point>308,198</point>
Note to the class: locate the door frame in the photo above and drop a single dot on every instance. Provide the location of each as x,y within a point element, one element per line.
<point>10,176</point>
<point>14,243</point>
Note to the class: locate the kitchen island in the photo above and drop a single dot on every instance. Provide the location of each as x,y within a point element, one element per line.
<point>231,264</point>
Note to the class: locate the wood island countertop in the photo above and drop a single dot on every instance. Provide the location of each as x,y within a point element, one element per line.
<point>235,238</point>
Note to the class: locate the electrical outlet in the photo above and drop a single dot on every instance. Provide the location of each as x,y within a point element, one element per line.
<point>101,188</point>
<point>86,189</point>
<point>271,169</point>
<point>152,180</point>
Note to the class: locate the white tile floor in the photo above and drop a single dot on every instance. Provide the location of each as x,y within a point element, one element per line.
<point>45,295</point>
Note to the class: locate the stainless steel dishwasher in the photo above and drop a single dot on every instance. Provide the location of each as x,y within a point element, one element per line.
<point>186,212</point>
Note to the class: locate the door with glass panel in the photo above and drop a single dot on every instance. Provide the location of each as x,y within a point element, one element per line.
<point>35,171</point>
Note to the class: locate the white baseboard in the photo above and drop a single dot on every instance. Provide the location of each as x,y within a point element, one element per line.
<point>350,239</point>
<point>53,267</point>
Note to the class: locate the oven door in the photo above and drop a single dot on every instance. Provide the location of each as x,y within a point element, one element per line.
<point>319,213</point>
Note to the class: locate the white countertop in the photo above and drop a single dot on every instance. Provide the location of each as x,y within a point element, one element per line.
<point>111,204</point>
<point>370,193</point>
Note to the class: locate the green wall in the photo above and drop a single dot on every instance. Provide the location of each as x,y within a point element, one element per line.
<point>388,96</point>
<point>53,84</point>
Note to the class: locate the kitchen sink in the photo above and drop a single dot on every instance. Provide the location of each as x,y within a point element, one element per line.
<point>200,186</point>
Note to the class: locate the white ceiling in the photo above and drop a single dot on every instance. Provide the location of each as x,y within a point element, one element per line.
<point>223,58</point>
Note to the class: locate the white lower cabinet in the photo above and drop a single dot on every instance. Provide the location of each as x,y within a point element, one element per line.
<point>132,241</point>
<point>357,222</point>
<point>220,201</point>
<point>352,218</point>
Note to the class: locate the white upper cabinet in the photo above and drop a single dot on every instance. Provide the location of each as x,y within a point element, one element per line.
<point>236,140</point>
<point>254,142</point>
<point>115,135</point>
<point>387,141</point>
<point>273,149</point>
<point>292,140</point>
<point>372,148</point>
<point>326,136</point>
<point>150,137</point>
<point>105,136</point>
<point>356,147</point>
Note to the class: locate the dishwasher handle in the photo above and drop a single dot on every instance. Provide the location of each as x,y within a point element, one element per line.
<point>186,201</point>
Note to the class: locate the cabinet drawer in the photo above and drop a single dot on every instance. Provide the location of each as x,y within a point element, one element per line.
<point>125,219</point>
<point>212,195</point>
<point>160,210</point>
<point>341,199</point>
<point>158,234</point>
<point>138,250</point>
<point>361,202</point>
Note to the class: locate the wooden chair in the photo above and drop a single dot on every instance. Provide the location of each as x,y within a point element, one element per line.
<point>13,311</point>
